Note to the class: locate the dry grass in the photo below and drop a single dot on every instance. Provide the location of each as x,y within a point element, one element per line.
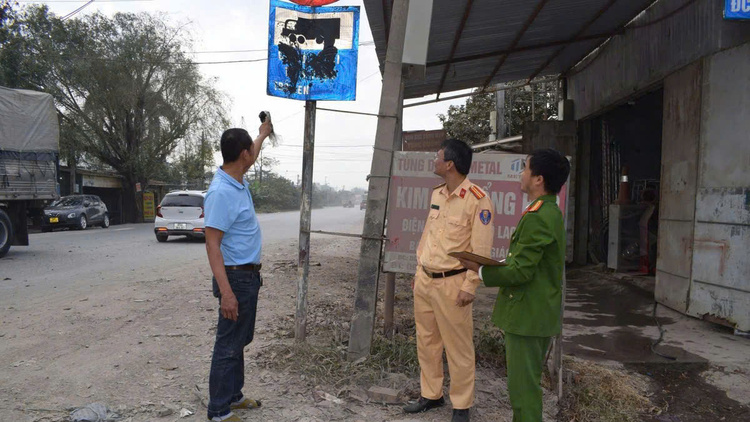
<point>323,358</point>
<point>603,394</point>
<point>489,344</point>
<point>328,363</point>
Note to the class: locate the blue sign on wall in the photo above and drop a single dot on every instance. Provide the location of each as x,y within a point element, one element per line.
<point>737,9</point>
<point>312,52</point>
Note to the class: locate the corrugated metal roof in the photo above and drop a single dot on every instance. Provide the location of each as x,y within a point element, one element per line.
<point>537,36</point>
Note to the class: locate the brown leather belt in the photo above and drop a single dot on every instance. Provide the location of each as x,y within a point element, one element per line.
<point>244,267</point>
<point>444,273</point>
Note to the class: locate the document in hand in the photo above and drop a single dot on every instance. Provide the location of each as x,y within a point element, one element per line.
<point>479,259</point>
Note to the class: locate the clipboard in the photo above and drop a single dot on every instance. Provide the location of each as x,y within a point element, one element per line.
<point>479,259</point>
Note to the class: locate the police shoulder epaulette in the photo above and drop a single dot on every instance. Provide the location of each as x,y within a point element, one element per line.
<point>477,192</point>
<point>439,186</point>
<point>536,206</point>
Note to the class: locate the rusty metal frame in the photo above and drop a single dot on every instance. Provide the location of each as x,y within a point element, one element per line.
<point>530,20</point>
<point>580,32</point>
<point>456,39</point>
<point>621,29</point>
<point>521,49</point>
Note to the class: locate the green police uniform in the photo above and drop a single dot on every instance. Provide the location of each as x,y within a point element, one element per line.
<point>528,303</point>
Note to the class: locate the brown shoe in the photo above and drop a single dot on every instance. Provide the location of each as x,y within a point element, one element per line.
<point>245,403</point>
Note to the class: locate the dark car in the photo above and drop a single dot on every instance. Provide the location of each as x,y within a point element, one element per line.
<point>76,211</point>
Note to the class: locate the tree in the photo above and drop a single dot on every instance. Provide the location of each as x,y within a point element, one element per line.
<point>194,159</point>
<point>526,103</point>
<point>125,88</point>
<point>276,193</point>
<point>471,122</point>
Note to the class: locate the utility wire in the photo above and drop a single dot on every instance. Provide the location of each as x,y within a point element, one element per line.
<point>79,1</point>
<point>328,146</point>
<point>257,50</point>
<point>75,12</point>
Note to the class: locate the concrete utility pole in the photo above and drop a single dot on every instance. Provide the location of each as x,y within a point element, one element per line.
<point>501,124</point>
<point>303,265</point>
<point>360,336</point>
<point>390,278</point>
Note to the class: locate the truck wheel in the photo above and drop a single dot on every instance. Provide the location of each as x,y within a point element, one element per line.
<point>6,233</point>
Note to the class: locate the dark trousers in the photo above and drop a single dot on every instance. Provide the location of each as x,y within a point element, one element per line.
<point>227,375</point>
<point>524,358</point>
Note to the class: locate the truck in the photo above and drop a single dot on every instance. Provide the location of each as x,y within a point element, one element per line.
<point>29,161</point>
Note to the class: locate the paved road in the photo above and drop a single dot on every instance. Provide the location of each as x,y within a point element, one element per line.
<point>74,261</point>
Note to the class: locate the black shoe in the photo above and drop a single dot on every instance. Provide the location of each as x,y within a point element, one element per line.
<point>423,405</point>
<point>460,415</point>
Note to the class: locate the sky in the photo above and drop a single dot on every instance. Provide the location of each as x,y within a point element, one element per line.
<point>343,142</point>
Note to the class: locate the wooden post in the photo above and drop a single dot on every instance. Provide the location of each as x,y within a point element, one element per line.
<point>390,299</point>
<point>303,267</point>
<point>363,320</point>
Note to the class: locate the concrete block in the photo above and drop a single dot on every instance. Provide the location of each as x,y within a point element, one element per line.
<point>383,395</point>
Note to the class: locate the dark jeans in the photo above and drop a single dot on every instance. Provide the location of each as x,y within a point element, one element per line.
<point>228,364</point>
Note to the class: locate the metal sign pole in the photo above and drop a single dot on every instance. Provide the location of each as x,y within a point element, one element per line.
<point>303,267</point>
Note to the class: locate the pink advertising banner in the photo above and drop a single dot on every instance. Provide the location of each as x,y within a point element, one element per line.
<point>411,189</point>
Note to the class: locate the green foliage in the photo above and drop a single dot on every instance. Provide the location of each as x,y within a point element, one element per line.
<point>519,105</point>
<point>471,122</point>
<point>275,193</point>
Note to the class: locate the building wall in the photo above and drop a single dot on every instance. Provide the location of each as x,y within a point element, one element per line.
<point>721,270</point>
<point>679,177</point>
<point>703,63</point>
<point>563,137</point>
<point>704,226</point>
<point>647,53</point>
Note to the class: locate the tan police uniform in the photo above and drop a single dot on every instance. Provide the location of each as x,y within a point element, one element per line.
<point>461,220</point>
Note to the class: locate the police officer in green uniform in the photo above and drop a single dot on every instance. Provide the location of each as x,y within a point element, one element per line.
<point>528,303</point>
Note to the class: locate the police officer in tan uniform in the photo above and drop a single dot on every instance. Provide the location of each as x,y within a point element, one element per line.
<point>460,219</point>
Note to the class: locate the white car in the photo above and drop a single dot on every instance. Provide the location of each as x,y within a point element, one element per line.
<point>180,214</point>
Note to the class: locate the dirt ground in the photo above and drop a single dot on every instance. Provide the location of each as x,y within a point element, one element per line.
<point>144,349</point>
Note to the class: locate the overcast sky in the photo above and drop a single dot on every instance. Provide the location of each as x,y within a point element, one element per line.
<point>343,142</point>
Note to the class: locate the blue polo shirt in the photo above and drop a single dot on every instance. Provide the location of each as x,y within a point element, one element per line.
<point>229,207</point>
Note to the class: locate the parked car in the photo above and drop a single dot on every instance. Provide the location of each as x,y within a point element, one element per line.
<point>76,211</point>
<point>180,214</point>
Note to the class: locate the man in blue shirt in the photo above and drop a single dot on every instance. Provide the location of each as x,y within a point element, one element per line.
<point>233,244</point>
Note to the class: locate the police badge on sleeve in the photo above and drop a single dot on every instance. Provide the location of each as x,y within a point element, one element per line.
<point>485,216</point>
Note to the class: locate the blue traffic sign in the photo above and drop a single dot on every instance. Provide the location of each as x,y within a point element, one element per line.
<point>737,9</point>
<point>312,52</point>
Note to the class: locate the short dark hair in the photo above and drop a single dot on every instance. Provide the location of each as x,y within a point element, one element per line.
<point>551,165</point>
<point>459,152</point>
<point>233,142</point>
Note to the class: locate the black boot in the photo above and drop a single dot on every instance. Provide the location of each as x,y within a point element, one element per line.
<point>423,405</point>
<point>460,415</point>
